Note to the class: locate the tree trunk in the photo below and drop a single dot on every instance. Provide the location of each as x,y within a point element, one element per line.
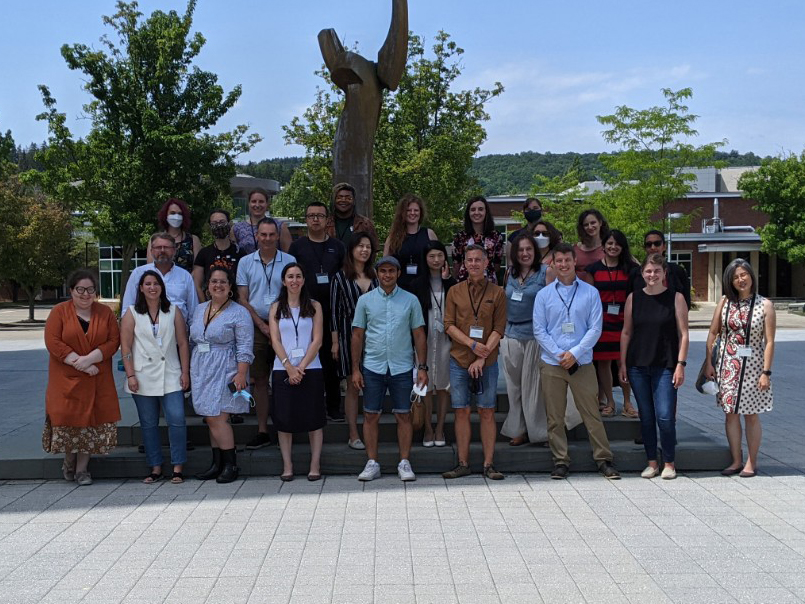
<point>30,291</point>
<point>125,266</point>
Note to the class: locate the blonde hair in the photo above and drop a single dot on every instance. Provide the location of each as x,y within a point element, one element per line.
<point>397,232</point>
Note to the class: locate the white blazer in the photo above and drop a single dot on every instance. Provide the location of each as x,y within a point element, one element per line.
<point>156,367</point>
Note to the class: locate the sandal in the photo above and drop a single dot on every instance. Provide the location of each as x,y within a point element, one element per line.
<point>152,478</point>
<point>177,478</point>
<point>608,411</point>
<point>630,413</point>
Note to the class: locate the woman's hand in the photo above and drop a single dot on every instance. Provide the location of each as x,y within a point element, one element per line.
<point>82,363</point>
<point>623,374</point>
<point>709,371</point>
<point>679,376</point>
<point>92,370</point>
<point>184,380</point>
<point>133,384</point>
<point>445,271</point>
<point>240,381</point>
<point>334,349</point>
<point>295,375</point>
<point>764,382</point>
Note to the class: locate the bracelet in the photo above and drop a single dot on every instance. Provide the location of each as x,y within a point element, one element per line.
<point>683,363</point>
<point>283,361</point>
<point>127,356</point>
<point>473,345</point>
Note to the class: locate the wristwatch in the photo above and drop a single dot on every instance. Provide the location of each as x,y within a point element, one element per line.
<point>766,372</point>
<point>422,367</point>
<point>683,363</point>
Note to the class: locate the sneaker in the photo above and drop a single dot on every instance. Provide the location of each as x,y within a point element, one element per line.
<point>336,417</point>
<point>492,474</point>
<point>370,472</point>
<point>560,472</point>
<point>649,472</point>
<point>260,440</point>
<point>356,444</point>
<point>668,473</point>
<point>457,472</point>
<point>405,472</point>
<point>608,470</point>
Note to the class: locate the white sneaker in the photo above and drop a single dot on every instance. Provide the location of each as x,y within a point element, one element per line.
<point>405,472</point>
<point>649,472</point>
<point>356,444</point>
<point>370,472</point>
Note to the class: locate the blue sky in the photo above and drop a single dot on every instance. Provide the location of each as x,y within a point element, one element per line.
<point>562,63</point>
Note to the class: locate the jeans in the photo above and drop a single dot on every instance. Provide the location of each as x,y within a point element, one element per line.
<point>460,386</point>
<point>399,387</point>
<point>148,410</point>
<point>656,401</point>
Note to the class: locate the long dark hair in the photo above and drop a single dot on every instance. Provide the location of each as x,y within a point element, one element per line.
<point>230,277</point>
<point>140,304</point>
<point>489,222</point>
<point>514,262</point>
<point>432,244</point>
<point>625,258</point>
<point>306,308</point>
<point>603,230</point>
<point>350,272</point>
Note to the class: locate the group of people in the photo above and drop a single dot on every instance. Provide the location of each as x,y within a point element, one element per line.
<point>258,319</point>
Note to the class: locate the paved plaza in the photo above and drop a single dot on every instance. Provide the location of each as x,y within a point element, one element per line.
<point>701,538</point>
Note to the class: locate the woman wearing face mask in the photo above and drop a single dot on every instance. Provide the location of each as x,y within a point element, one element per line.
<point>223,252</point>
<point>244,233</point>
<point>479,228</point>
<point>174,219</point>
<point>408,238</point>
<point>546,236</point>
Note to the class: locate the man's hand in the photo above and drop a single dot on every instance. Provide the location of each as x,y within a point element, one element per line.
<point>567,360</point>
<point>481,350</point>
<point>422,377</point>
<point>476,368</point>
<point>263,325</point>
<point>357,379</point>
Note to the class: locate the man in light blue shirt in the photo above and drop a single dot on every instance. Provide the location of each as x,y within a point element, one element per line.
<point>382,358</point>
<point>567,324</point>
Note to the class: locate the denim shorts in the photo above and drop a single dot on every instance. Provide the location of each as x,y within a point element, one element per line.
<point>399,387</point>
<point>460,386</point>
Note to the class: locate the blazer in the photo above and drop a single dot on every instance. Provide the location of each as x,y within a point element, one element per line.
<point>156,365</point>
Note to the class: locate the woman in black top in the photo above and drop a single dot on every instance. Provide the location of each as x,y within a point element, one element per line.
<point>654,346</point>
<point>407,238</point>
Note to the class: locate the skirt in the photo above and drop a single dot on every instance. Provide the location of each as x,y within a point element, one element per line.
<point>84,439</point>
<point>299,408</point>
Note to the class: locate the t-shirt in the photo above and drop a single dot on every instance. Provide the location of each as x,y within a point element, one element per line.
<point>317,257</point>
<point>211,257</point>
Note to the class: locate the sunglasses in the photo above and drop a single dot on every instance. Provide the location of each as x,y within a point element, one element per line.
<point>652,244</point>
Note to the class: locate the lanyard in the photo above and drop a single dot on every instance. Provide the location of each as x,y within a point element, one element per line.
<point>441,296</point>
<point>273,264</point>
<point>747,326</point>
<point>476,309</point>
<point>296,323</point>
<point>573,297</point>
<point>154,322</point>
<point>211,316</point>
<point>319,257</point>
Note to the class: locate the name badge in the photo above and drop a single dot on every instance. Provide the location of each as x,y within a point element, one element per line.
<point>744,351</point>
<point>322,278</point>
<point>476,332</point>
<point>267,300</point>
<point>297,354</point>
<point>410,269</point>
<point>203,347</point>
<point>568,328</point>
<point>517,296</point>
<point>159,341</point>
<point>438,326</point>
<point>613,309</point>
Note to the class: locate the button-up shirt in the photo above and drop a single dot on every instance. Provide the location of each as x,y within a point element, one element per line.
<point>490,302</point>
<point>551,313</point>
<point>388,320</point>
<point>179,287</point>
<point>263,280</point>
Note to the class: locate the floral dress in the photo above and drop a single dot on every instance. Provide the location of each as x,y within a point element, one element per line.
<point>738,376</point>
<point>492,243</point>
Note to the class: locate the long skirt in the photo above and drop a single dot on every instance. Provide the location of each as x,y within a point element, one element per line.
<point>299,408</point>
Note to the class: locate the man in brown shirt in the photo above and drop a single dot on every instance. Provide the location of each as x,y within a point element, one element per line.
<point>475,320</point>
<point>343,221</point>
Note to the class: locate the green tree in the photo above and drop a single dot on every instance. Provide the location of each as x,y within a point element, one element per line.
<point>779,188</point>
<point>427,137</point>
<point>151,112</point>
<point>7,152</point>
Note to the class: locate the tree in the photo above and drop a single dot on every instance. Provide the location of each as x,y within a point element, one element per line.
<point>426,139</point>
<point>779,188</point>
<point>151,112</point>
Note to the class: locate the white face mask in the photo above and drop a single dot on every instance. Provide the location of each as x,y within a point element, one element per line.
<point>175,220</point>
<point>542,241</point>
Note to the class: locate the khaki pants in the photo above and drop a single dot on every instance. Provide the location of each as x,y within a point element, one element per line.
<point>584,386</point>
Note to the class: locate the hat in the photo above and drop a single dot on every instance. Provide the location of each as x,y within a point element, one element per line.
<point>388,260</point>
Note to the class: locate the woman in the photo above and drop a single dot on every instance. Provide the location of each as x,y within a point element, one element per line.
<point>431,290</point>
<point>355,279</point>
<point>546,237</point>
<point>407,238</point>
<point>174,219</point>
<point>81,405</point>
<point>527,419</point>
<point>156,357</point>
<point>654,349</point>
<point>747,324</point>
<point>221,335</point>
<point>244,233</point>
<point>610,276</point>
<point>592,230</point>
<point>479,228</point>
<point>296,325</point>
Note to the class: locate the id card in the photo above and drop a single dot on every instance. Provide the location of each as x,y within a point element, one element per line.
<point>322,278</point>
<point>267,301</point>
<point>438,326</point>
<point>297,354</point>
<point>159,341</point>
<point>410,269</point>
<point>203,347</point>
<point>744,352</point>
<point>613,309</point>
<point>568,328</point>
<point>476,332</point>
<point>517,296</point>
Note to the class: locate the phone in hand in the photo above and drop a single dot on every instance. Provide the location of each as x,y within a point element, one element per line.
<point>573,369</point>
<point>232,388</point>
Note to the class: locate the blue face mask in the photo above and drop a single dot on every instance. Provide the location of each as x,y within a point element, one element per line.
<point>245,395</point>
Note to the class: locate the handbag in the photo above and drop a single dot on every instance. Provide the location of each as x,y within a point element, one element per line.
<point>418,414</point>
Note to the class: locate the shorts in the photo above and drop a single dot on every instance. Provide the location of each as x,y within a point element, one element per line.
<point>460,386</point>
<point>263,362</point>
<point>399,387</point>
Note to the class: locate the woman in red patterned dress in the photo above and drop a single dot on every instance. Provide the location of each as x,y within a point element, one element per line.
<point>479,228</point>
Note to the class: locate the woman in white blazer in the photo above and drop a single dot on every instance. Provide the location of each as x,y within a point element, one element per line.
<point>156,356</point>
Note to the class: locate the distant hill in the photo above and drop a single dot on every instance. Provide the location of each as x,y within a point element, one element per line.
<point>280,168</point>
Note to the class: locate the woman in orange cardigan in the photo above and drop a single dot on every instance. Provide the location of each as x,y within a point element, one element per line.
<point>81,402</point>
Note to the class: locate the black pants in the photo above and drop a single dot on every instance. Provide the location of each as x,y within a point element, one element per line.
<point>332,385</point>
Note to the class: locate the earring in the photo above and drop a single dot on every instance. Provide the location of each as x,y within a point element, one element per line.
<point>230,293</point>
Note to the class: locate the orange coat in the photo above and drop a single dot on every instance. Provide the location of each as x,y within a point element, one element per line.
<point>75,398</point>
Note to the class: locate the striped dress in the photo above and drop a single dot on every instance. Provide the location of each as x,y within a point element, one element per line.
<point>612,285</point>
<point>344,294</point>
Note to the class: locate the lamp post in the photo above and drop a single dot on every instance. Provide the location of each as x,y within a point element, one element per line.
<point>671,216</point>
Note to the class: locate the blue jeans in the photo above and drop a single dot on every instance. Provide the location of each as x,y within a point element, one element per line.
<point>656,401</point>
<point>399,387</point>
<point>460,386</point>
<point>148,410</point>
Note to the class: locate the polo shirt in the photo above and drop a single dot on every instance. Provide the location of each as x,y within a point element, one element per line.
<point>490,302</point>
<point>263,280</point>
<point>179,287</point>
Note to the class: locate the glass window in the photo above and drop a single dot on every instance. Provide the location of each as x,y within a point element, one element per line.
<point>685,260</point>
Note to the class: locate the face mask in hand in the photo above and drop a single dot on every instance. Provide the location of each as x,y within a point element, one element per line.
<point>532,215</point>
<point>175,220</point>
<point>542,241</point>
<point>220,231</point>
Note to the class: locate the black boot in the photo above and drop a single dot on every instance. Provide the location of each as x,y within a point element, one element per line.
<point>214,469</point>
<point>229,473</point>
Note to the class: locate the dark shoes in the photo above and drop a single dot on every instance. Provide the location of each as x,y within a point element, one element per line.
<point>336,417</point>
<point>457,472</point>
<point>260,440</point>
<point>229,471</point>
<point>560,472</point>
<point>214,469</point>
<point>492,474</point>
<point>608,470</point>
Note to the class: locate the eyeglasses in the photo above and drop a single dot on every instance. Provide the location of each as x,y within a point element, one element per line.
<point>653,243</point>
<point>84,290</point>
<point>219,282</point>
<point>162,247</point>
<point>316,216</point>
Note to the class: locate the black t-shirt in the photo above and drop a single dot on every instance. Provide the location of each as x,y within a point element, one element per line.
<point>211,257</point>
<point>319,257</point>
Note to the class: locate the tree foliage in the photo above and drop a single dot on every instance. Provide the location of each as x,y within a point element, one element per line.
<point>151,111</point>
<point>779,188</point>
<point>426,139</point>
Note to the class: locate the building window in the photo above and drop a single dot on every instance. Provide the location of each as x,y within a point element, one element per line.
<point>685,260</point>
<point>109,263</point>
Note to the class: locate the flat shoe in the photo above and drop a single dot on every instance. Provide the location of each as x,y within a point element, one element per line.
<point>177,478</point>
<point>649,472</point>
<point>83,479</point>
<point>608,412</point>
<point>356,444</point>
<point>730,471</point>
<point>152,478</point>
<point>286,477</point>
<point>428,443</point>
<point>630,413</point>
<point>668,473</point>
<point>745,474</point>
<point>313,477</point>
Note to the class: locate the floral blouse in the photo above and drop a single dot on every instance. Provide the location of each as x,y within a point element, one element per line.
<point>492,243</point>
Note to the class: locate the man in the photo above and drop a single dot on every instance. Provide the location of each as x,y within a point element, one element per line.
<point>385,318</point>
<point>179,286</point>
<point>345,220</point>
<point>321,257</point>
<point>567,324</point>
<point>475,320</point>
<point>259,282</point>
<point>532,211</point>
<point>222,253</point>
<point>677,279</point>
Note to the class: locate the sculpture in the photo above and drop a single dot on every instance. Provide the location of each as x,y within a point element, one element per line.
<point>363,82</point>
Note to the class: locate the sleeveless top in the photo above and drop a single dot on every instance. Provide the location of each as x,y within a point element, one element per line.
<point>155,357</point>
<point>184,253</point>
<point>410,252</point>
<point>296,334</point>
<point>520,313</point>
<point>655,339</point>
